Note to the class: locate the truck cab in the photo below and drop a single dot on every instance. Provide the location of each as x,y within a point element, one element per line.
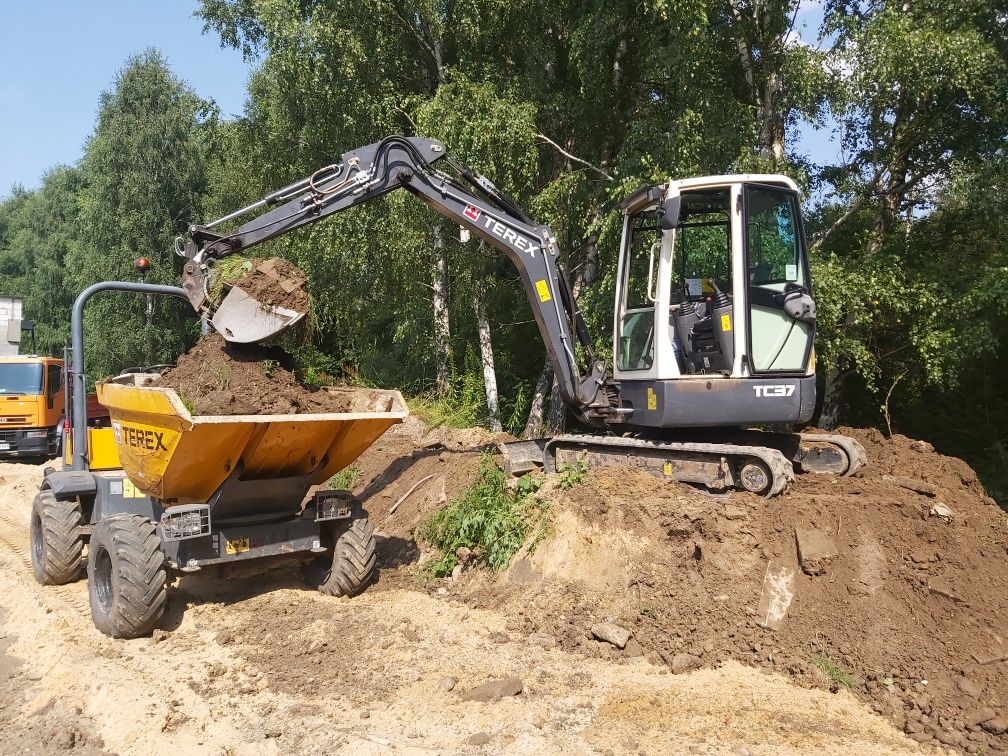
<point>32,392</point>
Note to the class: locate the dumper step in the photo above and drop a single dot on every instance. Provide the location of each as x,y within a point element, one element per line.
<point>715,466</point>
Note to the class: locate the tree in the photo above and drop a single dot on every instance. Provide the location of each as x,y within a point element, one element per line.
<point>143,179</point>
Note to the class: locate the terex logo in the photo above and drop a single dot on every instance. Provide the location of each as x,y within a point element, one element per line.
<point>471,212</point>
<point>776,390</point>
<point>518,242</point>
<point>143,439</point>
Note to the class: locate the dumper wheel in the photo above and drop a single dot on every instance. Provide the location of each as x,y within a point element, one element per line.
<point>349,566</point>
<point>56,543</point>
<point>126,576</point>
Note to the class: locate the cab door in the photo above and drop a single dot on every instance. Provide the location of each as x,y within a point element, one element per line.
<point>780,310</point>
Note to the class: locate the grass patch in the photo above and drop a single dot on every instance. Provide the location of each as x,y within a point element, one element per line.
<point>573,475</point>
<point>345,479</point>
<point>491,518</point>
<point>838,676</point>
<point>228,270</point>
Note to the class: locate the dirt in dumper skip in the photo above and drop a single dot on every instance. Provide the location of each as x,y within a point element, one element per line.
<point>218,378</point>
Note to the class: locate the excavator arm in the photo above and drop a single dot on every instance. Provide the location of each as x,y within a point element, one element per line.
<point>463,197</point>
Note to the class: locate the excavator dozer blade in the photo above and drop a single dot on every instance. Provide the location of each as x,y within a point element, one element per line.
<point>243,319</point>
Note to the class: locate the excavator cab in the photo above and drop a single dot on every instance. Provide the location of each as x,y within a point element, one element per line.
<point>714,319</point>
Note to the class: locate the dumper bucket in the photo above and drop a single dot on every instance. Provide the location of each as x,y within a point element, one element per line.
<point>171,455</point>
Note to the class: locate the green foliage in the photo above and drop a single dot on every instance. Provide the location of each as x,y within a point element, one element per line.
<point>837,675</point>
<point>573,475</point>
<point>491,519</point>
<point>345,479</point>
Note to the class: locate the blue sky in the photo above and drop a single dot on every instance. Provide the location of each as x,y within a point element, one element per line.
<point>56,56</point>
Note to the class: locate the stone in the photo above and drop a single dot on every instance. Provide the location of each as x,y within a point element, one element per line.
<point>979,717</point>
<point>478,739</point>
<point>685,663</point>
<point>456,572</point>
<point>224,637</point>
<point>732,512</point>
<point>611,633</point>
<point>495,690</point>
<point>951,738</point>
<point>776,594</point>
<point>921,737</point>
<point>996,726</point>
<point>967,687</point>
<point>365,714</point>
<point>446,684</point>
<point>815,550</point>
<point>921,446</point>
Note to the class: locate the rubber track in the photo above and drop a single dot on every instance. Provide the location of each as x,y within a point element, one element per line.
<point>857,457</point>
<point>139,575</point>
<point>354,560</point>
<point>780,467</point>
<point>63,547</point>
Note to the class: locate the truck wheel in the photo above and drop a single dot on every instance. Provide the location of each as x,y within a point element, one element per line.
<point>126,576</point>
<point>56,544</point>
<point>349,566</point>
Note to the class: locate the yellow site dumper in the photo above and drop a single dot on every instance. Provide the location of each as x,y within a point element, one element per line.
<point>162,492</point>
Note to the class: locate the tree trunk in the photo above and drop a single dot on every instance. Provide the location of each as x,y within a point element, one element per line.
<point>442,329</point>
<point>557,410</point>
<point>486,357</point>
<point>829,416</point>
<point>535,425</point>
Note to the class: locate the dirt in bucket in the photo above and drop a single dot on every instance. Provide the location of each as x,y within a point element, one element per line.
<point>276,282</point>
<point>218,378</point>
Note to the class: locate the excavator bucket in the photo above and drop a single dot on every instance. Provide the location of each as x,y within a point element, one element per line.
<point>243,319</point>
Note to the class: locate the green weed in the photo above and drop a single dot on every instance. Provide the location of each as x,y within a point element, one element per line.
<point>345,479</point>
<point>228,269</point>
<point>490,518</point>
<point>572,475</point>
<point>837,675</point>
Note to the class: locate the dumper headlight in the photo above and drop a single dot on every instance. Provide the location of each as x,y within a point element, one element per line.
<point>36,434</point>
<point>178,523</point>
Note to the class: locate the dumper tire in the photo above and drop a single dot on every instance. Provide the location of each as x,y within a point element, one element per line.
<point>56,542</point>
<point>351,565</point>
<point>126,576</point>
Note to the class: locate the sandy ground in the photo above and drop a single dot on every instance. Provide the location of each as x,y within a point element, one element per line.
<point>266,666</point>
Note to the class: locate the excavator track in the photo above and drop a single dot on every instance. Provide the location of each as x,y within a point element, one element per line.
<point>830,453</point>
<point>715,466</point>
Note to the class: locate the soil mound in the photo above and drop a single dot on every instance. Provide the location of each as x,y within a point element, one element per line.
<point>276,282</point>
<point>892,585</point>
<point>218,378</point>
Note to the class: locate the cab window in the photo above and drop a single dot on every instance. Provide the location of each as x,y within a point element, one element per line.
<point>702,253</point>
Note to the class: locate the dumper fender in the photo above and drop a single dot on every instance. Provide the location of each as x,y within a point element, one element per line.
<point>69,484</point>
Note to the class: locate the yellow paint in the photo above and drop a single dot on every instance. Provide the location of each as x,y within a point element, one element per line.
<point>726,322</point>
<point>237,546</point>
<point>544,292</point>
<point>707,286</point>
<point>811,362</point>
<point>652,399</point>
<point>169,454</point>
<point>667,469</point>
<point>102,451</point>
<point>130,491</point>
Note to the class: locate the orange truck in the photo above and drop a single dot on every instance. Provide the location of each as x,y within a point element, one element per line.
<point>32,406</point>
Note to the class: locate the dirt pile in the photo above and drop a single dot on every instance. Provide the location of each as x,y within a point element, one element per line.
<point>276,282</point>
<point>218,378</point>
<point>905,604</point>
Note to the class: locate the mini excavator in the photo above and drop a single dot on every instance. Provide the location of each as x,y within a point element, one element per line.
<point>713,326</point>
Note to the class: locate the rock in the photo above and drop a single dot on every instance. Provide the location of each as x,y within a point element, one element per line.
<point>685,663</point>
<point>610,633</point>
<point>967,687</point>
<point>732,512</point>
<point>633,648</point>
<point>495,690</point>
<point>159,635</point>
<point>463,554</point>
<point>996,726</point>
<point>921,737</point>
<point>815,550</point>
<point>921,446</point>
<point>979,717</point>
<point>951,738</point>
<point>456,572</point>
<point>365,714</point>
<point>776,594</point>
<point>944,511</point>
<point>911,484</point>
<point>446,684</point>
<point>478,739</point>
